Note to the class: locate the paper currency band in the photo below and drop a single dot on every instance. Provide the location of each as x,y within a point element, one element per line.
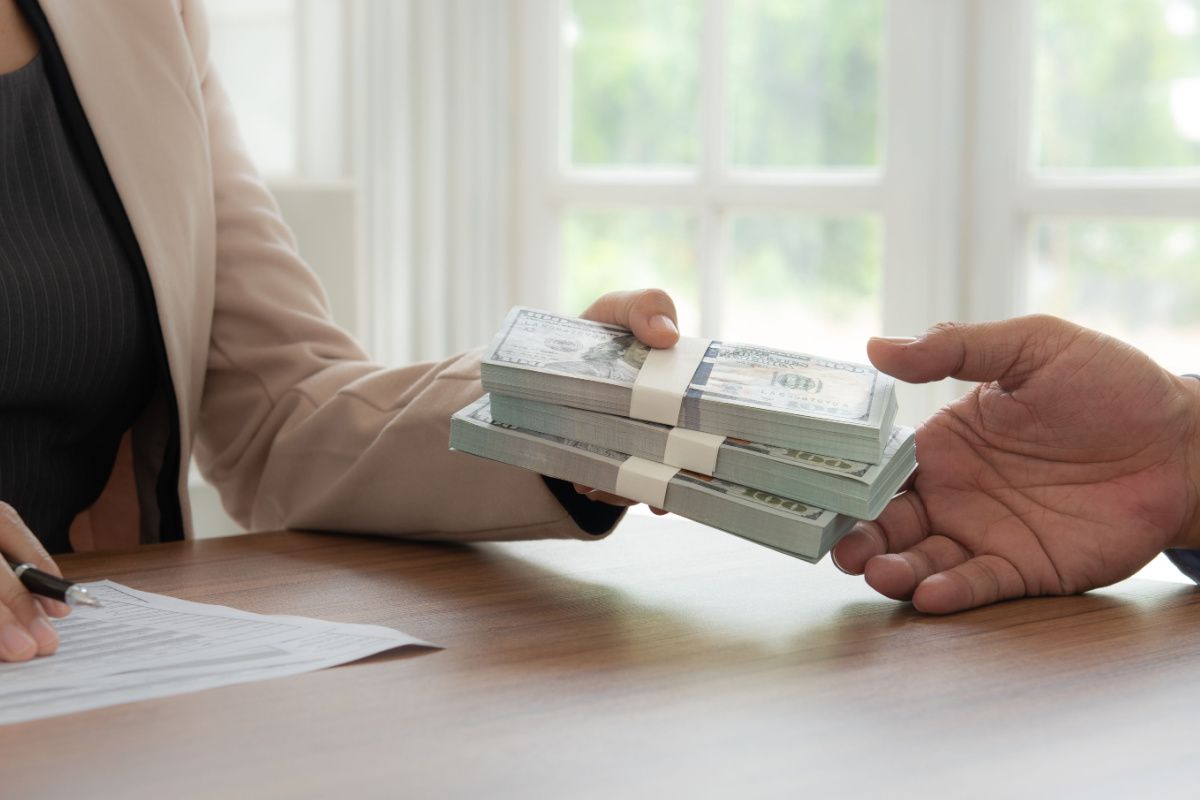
<point>663,380</point>
<point>692,450</point>
<point>644,481</point>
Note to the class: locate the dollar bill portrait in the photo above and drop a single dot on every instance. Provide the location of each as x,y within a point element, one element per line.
<point>618,359</point>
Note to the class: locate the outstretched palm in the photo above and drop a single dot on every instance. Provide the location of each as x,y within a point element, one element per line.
<point>1066,470</point>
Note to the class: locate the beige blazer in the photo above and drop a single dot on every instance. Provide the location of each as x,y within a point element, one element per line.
<point>283,411</point>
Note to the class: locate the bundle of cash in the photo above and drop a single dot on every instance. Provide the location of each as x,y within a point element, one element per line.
<point>757,394</point>
<point>836,484</point>
<point>791,527</point>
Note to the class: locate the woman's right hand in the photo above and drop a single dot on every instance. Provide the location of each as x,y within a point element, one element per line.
<point>25,627</point>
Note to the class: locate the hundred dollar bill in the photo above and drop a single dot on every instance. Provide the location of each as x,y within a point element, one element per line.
<point>797,529</point>
<point>755,393</point>
<point>837,484</point>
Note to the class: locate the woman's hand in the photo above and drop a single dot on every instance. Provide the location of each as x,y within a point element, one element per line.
<point>1073,464</point>
<point>650,314</point>
<point>25,627</point>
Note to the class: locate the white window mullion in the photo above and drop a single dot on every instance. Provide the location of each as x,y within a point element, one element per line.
<point>1120,197</point>
<point>712,230</point>
<point>535,151</point>
<point>848,193</point>
<point>437,189</point>
<point>998,227</point>
<point>497,178</point>
<point>713,211</point>
<point>922,165</point>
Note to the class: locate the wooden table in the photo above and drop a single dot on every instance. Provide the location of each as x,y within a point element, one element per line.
<point>667,661</point>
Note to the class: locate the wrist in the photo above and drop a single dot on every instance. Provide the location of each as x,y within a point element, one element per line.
<point>1190,535</point>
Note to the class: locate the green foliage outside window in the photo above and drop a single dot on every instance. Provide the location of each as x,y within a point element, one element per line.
<point>804,85</point>
<point>1105,74</point>
<point>1144,274</point>
<point>616,250</point>
<point>803,92</point>
<point>635,78</point>
<point>1107,86</point>
<point>827,265</point>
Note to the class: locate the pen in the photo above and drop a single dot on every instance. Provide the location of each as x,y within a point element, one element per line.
<point>47,585</point>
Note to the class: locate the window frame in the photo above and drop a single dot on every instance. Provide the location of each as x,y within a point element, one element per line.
<point>912,192</point>
<point>1008,193</point>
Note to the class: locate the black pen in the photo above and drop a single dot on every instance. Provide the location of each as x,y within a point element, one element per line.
<point>47,585</point>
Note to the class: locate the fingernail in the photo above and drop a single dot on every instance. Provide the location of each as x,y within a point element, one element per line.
<point>833,558</point>
<point>896,339</point>
<point>44,633</point>
<point>661,322</point>
<point>53,607</point>
<point>16,643</point>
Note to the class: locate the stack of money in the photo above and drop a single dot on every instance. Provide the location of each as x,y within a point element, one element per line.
<point>798,446</point>
<point>786,399</point>
<point>791,527</point>
<point>837,484</point>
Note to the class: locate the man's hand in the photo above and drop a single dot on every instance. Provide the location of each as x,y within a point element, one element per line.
<point>25,627</point>
<point>1073,463</point>
<point>650,314</point>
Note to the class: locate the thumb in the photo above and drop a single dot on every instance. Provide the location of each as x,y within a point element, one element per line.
<point>1006,351</point>
<point>649,313</point>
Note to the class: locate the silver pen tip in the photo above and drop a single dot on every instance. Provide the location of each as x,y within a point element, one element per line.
<point>78,596</point>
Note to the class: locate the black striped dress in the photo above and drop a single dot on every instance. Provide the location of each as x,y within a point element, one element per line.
<point>76,366</point>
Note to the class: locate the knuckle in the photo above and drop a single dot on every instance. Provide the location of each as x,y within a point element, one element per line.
<point>1048,321</point>
<point>946,329</point>
<point>657,298</point>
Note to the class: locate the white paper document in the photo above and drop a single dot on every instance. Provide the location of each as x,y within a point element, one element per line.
<point>140,645</point>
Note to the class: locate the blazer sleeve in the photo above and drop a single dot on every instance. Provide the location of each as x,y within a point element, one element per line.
<point>298,429</point>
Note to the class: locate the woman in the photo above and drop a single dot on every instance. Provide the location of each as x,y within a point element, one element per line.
<point>156,307</point>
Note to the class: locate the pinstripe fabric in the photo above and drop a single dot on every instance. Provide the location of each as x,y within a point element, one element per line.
<point>75,363</point>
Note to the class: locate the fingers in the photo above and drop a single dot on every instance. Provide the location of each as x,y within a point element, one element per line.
<point>939,577</point>
<point>19,543</point>
<point>53,608</point>
<point>902,524</point>
<point>852,552</point>
<point>978,582</point>
<point>612,499</point>
<point>980,352</point>
<point>603,497</point>
<point>900,560</point>
<point>25,629</point>
<point>649,313</point>
<point>898,575</point>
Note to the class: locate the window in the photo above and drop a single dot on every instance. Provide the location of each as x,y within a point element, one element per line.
<point>807,173</point>
<point>803,173</point>
<point>681,123</point>
<point>1087,189</point>
<point>746,155</point>
<point>1116,113</point>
